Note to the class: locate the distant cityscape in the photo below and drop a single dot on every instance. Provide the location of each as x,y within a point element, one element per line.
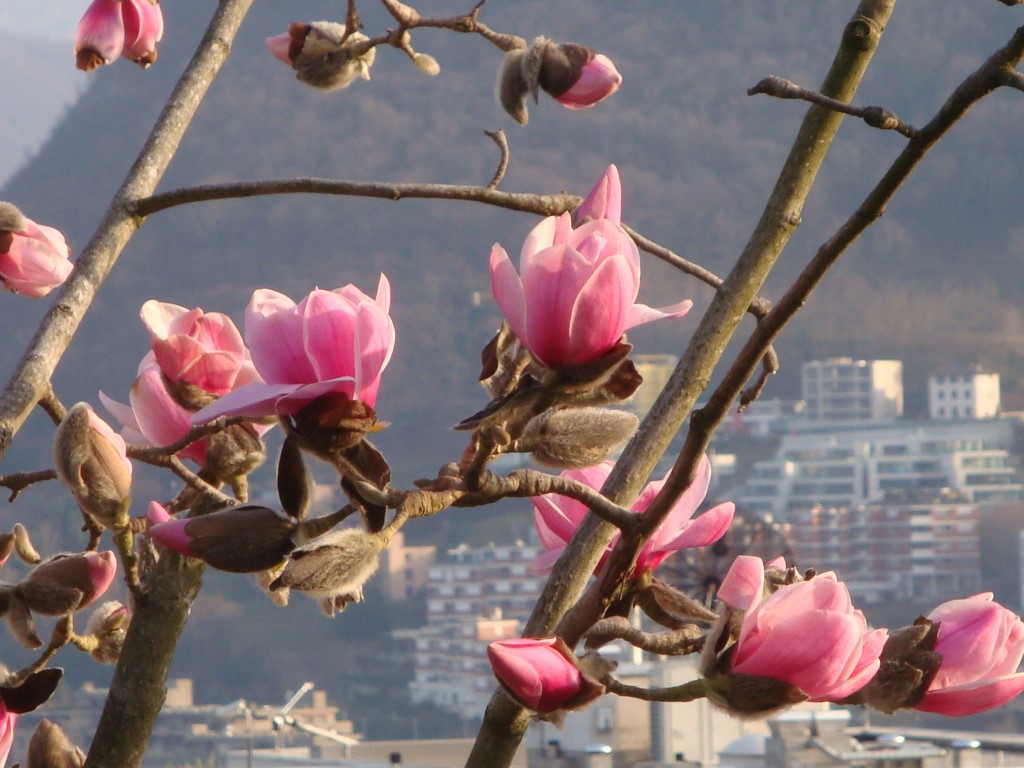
<point>905,511</point>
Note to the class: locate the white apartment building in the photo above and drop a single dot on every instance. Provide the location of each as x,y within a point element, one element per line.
<point>850,465</point>
<point>844,389</point>
<point>477,595</point>
<point>963,395</point>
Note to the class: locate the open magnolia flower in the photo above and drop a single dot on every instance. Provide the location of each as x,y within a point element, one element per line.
<point>191,352</point>
<point>336,341</point>
<point>558,517</point>
<point>806,634</point>
<point>575,292</point>
<point>981,644</point>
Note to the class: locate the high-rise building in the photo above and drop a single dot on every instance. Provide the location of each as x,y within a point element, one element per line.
<point>844,389</point>
<point>963,395</point>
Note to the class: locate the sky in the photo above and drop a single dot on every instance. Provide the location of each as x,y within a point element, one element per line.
<point>50,19</point>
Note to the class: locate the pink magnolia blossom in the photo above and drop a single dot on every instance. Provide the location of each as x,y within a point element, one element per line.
<point>336,341</point>
<point>204,350</point>
<point>807,634</point>
<point>598,79</point>
<point>111,28</point>
<point>8,720</point>
<point>90,572</point>
<point>981,644</point>
<point>604,201</point>
<point>36,262</point>
<point>536,672</point>
<point>558,517</point>
<point>575,292</point>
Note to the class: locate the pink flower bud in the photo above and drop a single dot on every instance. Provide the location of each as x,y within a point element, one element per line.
<point>575,292</point>
<point>143,29</point>
<point>91,573</point>
<point>33,257</point>
<point>336,341</point>
<point>806,634</point>
<point>323,53</point>
<point>111,28</point>
<point>981,644</point>
<point>541,674</point>
<point>598,79</point>
<point>604,201</point>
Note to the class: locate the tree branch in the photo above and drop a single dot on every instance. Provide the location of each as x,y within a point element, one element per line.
<point>690,691</point>
<point>31,378</point>
<point>876,117</point>
<point>504,721</point>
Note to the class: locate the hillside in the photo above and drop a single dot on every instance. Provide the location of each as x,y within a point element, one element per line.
<point>937,280</point>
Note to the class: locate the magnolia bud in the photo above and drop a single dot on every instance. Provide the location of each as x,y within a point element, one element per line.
<point>333,568</point>
<point>50,747</point>
<point>570,438</point>
<point>108,626</point>
<point>426,64</point>
<point>91,460</point>
<point>90,573</point>
<point>322,56</point>
<point>512,87</point>
<point>243,539</point>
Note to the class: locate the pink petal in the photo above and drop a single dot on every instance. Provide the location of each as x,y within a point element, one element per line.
<point>375,341</point>
<point>641,313</point>
<point>682,510</point>
<point>552,279</point>
<point>295,401</point>
<point>162,318</point>
<point>122,412</point>
<point>172,535</point>
<point>383,297</point>
<point>599,312</point>
<point>160,417</point>
<point>143,29</point>
<point>865,668</point>
<point>535,672</point>
<point>545,561</point>
<point>329,334</point>
<point>278,46</point>
<point>604,201</point>
<point>553,230</point>
<point>507,290</point>
<point>974,698</point>
<point>743,585</point>
<point>156,513</point>
<point>101,30</point>
<point>703,530</point>
<point>598,80</point>
<point>253,400</point>
<point>274,333</point>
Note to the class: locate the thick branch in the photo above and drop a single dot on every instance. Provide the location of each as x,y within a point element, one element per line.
<point>690,691</point>
<point>505,722</point>
<point>31,378</point>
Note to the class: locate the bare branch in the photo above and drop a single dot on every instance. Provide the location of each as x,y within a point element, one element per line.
<point>543,205</point>
<point>499,138</point>
<point>19,481</point>
<point>690,691</point>
<point>876,117</point>
<point>54,408</point>
<point>680,642</point>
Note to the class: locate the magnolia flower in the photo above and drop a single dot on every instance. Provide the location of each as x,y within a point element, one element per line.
<point>575,292</point>
<point>807,634</point>
<point>91,573</point>
<point>981,644</point>
<point>194,357</point>
<point>336,341</point>
<point>111,28</point>
<point>33,257</point>
<point>538,673</point>
<point>558,517</point>
<point>322,55</point>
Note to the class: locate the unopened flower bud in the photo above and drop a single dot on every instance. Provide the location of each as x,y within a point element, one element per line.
<point>322,56</point>
<point>91,460</point>
<point>242,539</point>
<point>333,568</point>
<point>544,675</point>
<point>426,64</point>
<point>512,87</point>
<point>50,747</point>
<point>91,573</point>
<point>570,438</point>
<point>108,626</point>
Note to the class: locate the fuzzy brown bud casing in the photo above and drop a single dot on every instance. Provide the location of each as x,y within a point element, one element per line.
<point>333,568</point>
<point>50,747</point>
<point>109,626</point>
<point>91,460</point>
<point>572,438</point>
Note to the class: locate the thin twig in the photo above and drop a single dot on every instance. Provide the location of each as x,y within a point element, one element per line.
<point>690,691</point>
<point>156,453</point>
<point>543,205</point>
<point>499,138</point>
<point>680,642</point>
<point>61,636</point>
<point>991,75</point>
<point>19,481</point>
<point>50,403</point>
<point>876,117</point>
